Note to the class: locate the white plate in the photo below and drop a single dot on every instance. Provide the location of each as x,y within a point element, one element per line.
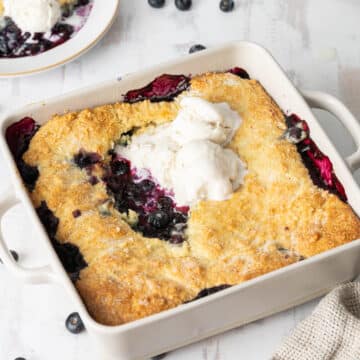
<point>99,22</point>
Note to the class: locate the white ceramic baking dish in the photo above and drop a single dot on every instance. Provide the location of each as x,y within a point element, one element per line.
<point>235,306</point>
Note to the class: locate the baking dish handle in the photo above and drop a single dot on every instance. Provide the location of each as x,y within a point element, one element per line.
<point>324,101</point>
<point>39,275</point>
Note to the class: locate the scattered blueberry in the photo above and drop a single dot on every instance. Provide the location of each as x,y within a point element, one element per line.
<point>195,48</point>
<point>156,3</point>
<point>20,358</point>
<point>74,323</point>
<point>226,5</point>
<point>159,357</point>
<point>14,254</point>
<point>183,4</point>
<point>158,219</point>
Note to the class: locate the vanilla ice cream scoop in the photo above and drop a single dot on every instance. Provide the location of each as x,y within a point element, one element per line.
<point>33,15</point>
<point>188,155</point>
<point>199,119</point>
<point>204,170</point>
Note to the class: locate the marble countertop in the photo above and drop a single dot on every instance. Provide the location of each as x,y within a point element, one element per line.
<point>316,42</point>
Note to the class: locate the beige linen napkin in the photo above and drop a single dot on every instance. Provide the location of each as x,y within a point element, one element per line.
<point>331,332</point>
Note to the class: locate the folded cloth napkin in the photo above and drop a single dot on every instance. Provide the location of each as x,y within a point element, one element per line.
<point>332,331</point>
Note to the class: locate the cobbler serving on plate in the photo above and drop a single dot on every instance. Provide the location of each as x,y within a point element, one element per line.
<point>31,27</point>
<point>188,186</point>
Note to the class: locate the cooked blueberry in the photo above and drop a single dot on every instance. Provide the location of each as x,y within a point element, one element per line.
<point>71,258</point>
<point>120,167</point>
<point>226,5</point>
<point>134,192</point>
<point>156,3</point>
<point>165,203</point>
<point>93,180</point>
<point>146,185</point>
<point>74,323</point>
<point>158,219</point>
<point>81,3</point>
<point>179,218</point>
<point>121,205</point>
<point>85,159</point>
<point>76,213</point>
<point>183,4</point>
<point>29,174</point>
<point>66,11</point>
<point>239,72</point>
<point>176,239</point>
<point>195,48</point>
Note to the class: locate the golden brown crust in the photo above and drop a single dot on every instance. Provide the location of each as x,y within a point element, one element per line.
<point>1,7</point>
<point>274,219</point>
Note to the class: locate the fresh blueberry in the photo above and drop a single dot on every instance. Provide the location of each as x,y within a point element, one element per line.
<point>14,254</point>
<point>226,5</point>
<point>74,323</point>
<point>159,357</point>
<point>183,4</point>
<point>195,48</point>
<point>156,3</point>
<point>20,358</point>
<point>158,219</point>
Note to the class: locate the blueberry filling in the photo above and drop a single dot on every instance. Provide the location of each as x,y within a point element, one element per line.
<point>157,215</point>
<point>209,291</point>
<point>18,137</point>
<point>319,165</point>
<point>69,254</point>
<point>164,88</point>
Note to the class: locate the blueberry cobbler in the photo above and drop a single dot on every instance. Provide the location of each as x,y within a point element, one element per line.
<point>31,27</point>
<point>185,188</point>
